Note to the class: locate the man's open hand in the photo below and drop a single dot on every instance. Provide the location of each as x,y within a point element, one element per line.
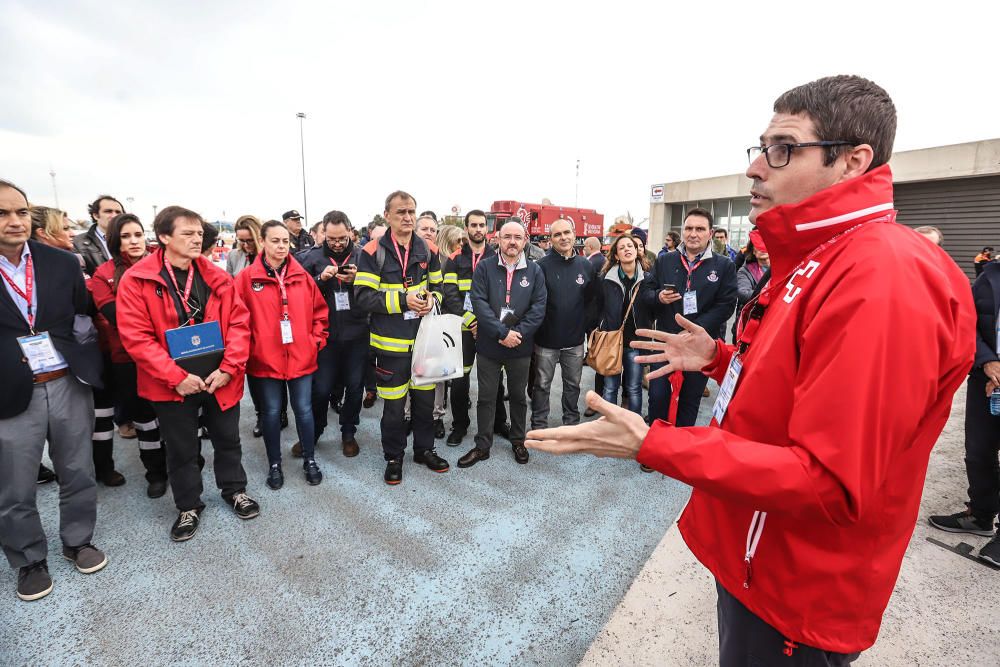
<point>690,350</point>
<point>617,434</point>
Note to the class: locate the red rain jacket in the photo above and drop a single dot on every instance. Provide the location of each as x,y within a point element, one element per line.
<point>102,290</point>
<point>806,496</point>
<point>307,311</point>
<point>145,311</point>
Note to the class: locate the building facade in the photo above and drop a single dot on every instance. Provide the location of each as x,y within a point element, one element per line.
<point>954,188</point>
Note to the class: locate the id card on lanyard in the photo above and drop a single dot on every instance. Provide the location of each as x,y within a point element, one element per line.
<point>404,260</point>
<point>37,348</point>
<point>507,311</point>
<point>468,295</point>
<point>690,296</point>
<point>188,313</point>
<point>727,388</point>
<point>285,323</point>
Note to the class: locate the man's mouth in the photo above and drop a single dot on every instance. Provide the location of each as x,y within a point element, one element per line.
<point>757,197</point>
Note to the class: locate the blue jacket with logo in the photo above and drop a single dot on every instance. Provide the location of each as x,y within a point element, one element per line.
<point>527,300</point>
<point>714,281</point>
<point>575,301</point>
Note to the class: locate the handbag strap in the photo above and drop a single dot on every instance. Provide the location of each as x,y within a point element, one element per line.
<point>635,293</point>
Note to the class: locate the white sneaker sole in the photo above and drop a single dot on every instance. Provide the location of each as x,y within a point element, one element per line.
<point>989,560</point>
<point>87,570</point>
<point>967,531</point>
<point>36,596</point>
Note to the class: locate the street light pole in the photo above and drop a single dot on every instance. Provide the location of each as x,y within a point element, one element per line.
<point>52,173</point>
<point>302,145</point>
<point>576,197</point>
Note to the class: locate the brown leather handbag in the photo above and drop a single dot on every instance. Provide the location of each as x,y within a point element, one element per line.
<point>605,349</point>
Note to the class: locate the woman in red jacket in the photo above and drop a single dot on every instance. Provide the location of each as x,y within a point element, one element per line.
<point>288,327</point>
<point>127,245</point>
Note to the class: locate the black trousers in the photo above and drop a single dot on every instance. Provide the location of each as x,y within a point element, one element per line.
<point>982,444</point>
<point>179,428</point>
<point>460,391</point>
<point>140,411</point>
<point>488,373</point>
<point>745,640</point>
<point>392,381</point>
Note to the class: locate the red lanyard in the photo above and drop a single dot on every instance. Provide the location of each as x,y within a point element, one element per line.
<point>281,286</point>
<point>690,269</point>
<point>510,280</point>
<point>29,285</point>
<point>403,260</point>
<point>187,287</point>
<point>337,276</point>
<point>476,259</point>
<point>753,312</point>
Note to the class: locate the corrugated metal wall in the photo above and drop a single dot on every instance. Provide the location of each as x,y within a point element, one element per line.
<point>966,210</point>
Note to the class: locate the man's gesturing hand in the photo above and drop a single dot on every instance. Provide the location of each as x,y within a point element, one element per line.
<point>690,350</point>
<point>617,434</point>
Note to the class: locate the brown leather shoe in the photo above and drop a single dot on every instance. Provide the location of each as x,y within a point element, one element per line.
<point>351,446</point>
<point>297,450</point>
<point>472,457</point>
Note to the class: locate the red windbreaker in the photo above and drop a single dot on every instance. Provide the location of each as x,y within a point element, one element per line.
<point>806,496</point>
<point>145,311</point>
<point>102,290</point>
<point>307,311</point>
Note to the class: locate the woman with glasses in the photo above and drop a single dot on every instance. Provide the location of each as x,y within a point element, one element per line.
<point>288,327</point>
<point>247,244</point>
<point>127,245</point>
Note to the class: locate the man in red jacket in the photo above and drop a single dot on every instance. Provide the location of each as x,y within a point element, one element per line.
<point>172,288</point>
<point>807,482</point>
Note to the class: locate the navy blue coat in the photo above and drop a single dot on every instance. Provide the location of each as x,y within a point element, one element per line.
<point>527,299</point>
<point>714,281</point>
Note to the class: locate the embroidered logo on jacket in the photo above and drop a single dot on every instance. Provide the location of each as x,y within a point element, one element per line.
<point>806,271</point>
<point>579,279</point>
<point>713,277</point>
<point>256,285</point>
<point>524,281</point>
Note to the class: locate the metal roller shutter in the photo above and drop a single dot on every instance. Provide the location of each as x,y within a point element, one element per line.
<point>966,210</point>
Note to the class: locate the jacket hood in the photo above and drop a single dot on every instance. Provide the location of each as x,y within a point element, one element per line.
<point>792,231</point>
<point>149,267</point>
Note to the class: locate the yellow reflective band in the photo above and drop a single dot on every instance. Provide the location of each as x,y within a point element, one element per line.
<point>392,303</point>
<point>426,387</point>
<point>434,276</point>
<point>419,287</point>
<point>390,344</point>
<point>467,369</point>
<point>389,287</point>
<point>439,295</point>
<point>465,284</point>
<point>468,318</point>
<point>392,393</point>
<point>452,279</point>
<point>367,280</point>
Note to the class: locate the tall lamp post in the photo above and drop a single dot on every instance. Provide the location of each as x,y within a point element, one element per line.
<point>576,196</point>
<point>55,192</point>
<point>302,145</point>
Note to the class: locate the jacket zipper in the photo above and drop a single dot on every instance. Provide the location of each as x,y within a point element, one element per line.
<point>753,538</point>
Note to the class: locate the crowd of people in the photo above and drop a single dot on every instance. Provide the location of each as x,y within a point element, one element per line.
<point>102,329</point>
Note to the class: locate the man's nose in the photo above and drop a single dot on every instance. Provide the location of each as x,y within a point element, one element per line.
<point>758,168</point>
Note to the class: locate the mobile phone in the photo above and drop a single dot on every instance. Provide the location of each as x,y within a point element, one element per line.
<point>670,287</point>
<point>344,268</point>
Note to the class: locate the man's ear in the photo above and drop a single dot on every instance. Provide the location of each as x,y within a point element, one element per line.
<point>857,160</point>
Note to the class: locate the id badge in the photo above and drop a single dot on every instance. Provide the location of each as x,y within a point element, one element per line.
<point>39,351</point>
<point>410,315</point>
<point>286,332</point>
<point>341,301</point>
<point>504,312</point>
<point>468,302</point>
<point>727,389</point>
<point>690,302</point>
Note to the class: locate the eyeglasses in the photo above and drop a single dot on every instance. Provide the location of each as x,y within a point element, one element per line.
<point>337,240</point>
<point>779,155</point>
<point>245,241</point>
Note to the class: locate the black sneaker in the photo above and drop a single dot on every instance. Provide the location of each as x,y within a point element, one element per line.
<point>257,432</point>
<point>87,559</point>
<point>439,431</point>
<point>313,474</point>
<point>244,506</point>
<point>455,437</point>
<point>45,475</point>
<point>962,522</point>
<point>429,458</point>
<point>393,472</point>
<point>33,581</point>
<point>991,552</point>
<point>186,526</point>
<point>520,453</point>
<point>275,478</point>
<point>284,420</point>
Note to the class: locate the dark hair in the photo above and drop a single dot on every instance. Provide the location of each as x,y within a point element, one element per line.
<point>163,225</point>
<point>401,194</point>
<point>471,213</point>
<point>845,108</point>
<point>611,257</point>
<point>337,218</point>
<point>724,231</point>
<point>95,207</point>
<point>375,223</point>
<point>675,237</point>
<point>428,214</point>
<point>209,235</point>
<point>271,224</point>
<point>8,184</point>
<point>703,212</point>
<point>114,237</point>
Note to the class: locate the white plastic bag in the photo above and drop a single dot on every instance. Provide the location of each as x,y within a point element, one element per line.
<point>437,351</point>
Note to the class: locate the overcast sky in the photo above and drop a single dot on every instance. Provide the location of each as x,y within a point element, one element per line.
<point>460,103</point>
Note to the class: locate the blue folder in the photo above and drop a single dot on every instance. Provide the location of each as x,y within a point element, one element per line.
<point>197,348</point>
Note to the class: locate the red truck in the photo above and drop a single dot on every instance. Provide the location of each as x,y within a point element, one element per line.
<point>538,218</point>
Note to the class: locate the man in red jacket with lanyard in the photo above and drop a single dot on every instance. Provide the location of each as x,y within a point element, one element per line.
<point>807,482</point>
<point>176,296</point>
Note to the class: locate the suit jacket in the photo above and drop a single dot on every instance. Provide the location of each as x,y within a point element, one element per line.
<point>88,246</point>
<point>62,295</point>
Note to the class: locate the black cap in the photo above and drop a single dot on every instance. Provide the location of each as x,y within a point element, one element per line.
<point>288,215</point>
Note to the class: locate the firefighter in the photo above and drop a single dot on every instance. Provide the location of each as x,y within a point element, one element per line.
<point>398,281</point>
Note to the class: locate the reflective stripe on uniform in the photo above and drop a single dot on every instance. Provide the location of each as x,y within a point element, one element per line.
<point>390,344</point>
<point>466,369</point>
<point>468,318</point>
<point>392,393</point>
<point>452,279</point>
<point>366,279</point>
<point>392,305</point>
<point>464,284</point>
<point>426,387</point>
<point>434,276</point>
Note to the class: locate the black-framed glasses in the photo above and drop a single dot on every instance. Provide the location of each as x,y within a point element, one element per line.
<point>779,155</point>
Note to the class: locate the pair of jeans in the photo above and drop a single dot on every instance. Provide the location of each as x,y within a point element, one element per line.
<point>179,429</point>
<point>488,372</point>
<point>630,379</point>
<point>982,449</point>
<point>270,392</point>
<point>690,398</point>
<point>570,360</point>
<point>340,364</point>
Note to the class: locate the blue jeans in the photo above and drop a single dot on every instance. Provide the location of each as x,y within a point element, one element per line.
<point>631,378</point>
<point>340,364</point>
<point>270,391</point>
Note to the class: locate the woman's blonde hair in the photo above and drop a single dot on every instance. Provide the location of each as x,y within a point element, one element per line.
<point>251,224</point>
<point>46,219</point>
<point>448,236</point>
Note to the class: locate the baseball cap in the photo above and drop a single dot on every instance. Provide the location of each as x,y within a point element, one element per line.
<point>293,214</point>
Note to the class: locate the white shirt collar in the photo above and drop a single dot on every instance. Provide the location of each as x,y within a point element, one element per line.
<point>522,263</point>
<point>25,252</point>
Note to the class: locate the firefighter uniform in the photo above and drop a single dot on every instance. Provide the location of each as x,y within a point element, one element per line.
<point>387,272</point>
<point>457,289</point>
